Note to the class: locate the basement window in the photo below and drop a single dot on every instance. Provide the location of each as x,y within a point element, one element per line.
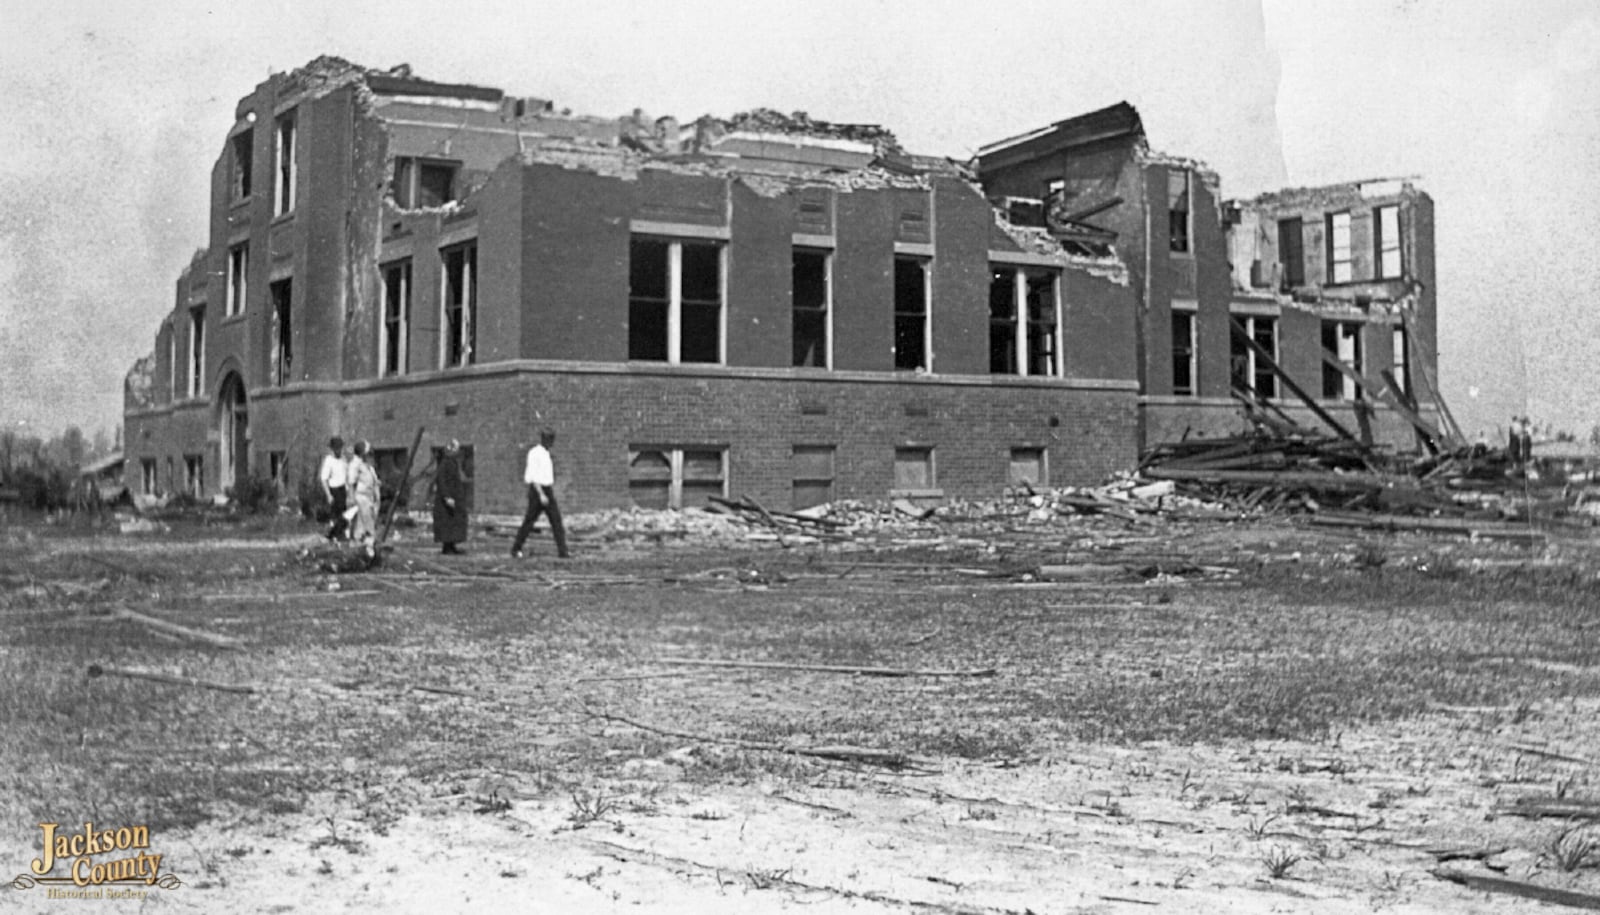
<point>420,183</point>
<point>238,278</point>
<point>396,316</point>
<point>282,331</point>
<point>913,331</point>
<point>662,477</point>
<point>1386,241</point>
<point>288,165</point>
<point>1027,467</point>
<point>1178,222</point>
<point>460,305</point>
<point>811,468</point>
<point>1291,254</point>
<point>197,349</point>
<point>1183,353</point>
<point>1247,372</point>
<point>913,469</point>
<point>242,155</point>
<point>674,301</point>
<point>813,292</point>
<point>1342,339</point>
<point>1339,265</point>
<point>194,475</point>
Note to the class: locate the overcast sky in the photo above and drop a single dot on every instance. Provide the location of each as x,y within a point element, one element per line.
<point>115,113</point>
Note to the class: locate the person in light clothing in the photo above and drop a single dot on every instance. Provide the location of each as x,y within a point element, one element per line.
<point>364,488</point>
<point>333,476</point>
<point>540,475</point>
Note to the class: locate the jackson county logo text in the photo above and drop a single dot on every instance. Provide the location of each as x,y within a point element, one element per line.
<point>98,863</point>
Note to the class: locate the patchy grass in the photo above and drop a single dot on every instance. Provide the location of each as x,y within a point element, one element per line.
<point>1295,652</point>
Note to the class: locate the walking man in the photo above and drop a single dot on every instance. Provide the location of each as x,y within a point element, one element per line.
<point>540,476</point>
<point>333,476</point>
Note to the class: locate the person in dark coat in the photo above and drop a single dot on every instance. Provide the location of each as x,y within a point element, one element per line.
<point>449,500</point>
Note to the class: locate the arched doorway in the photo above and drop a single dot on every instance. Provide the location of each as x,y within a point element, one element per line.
<point>233,423</point>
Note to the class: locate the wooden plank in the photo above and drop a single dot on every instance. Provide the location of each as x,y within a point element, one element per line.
<point>156,676</point>
<point>1283,376</point>
<point>1323,479</point>
<point>829,668</point>
<point>161,625</point>
<point>1520,888</point>
<point>405,484</point>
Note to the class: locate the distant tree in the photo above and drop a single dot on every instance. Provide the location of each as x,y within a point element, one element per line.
<point>73,446</point>
<point>102,443</point>
<point>1594,435</point>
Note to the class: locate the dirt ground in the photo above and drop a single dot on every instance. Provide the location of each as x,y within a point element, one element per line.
<point>1194,717</point>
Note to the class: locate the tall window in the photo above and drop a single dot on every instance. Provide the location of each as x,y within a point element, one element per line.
<point>812,295</point>
<point>1386,241</point>
<point>1022,322</point>
<point>194,475</point>
<point>1248,372</point>
<point>1339,269</point>
<point>1292,253</point>
<point>172,363</point>
<point>147,476</point>
<point>282,331</point>
<point>674,301</point>
<point>460,304</point>
<point>1178,208</point>
<point>238,278</point>
<point>1342,339</point>
<point>1183,353</point>
<point>424,182</point>
<point>396,316</point>
<point>287,165</point>
<point>197,349</point>
<point>243,156</point>
<point>912,330</point>
<point>1402,359</point>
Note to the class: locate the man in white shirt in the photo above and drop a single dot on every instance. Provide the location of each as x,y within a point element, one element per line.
<point>540,476</point>
<point>333,476</point>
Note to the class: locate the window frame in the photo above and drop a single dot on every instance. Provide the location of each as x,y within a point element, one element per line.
<point>1293,271</point>
<point>402,320</point>
<point>282,330</point>
<point>1181,243</point>
<point>1254,373</point>
<point>285,135</point>
<point>237,286</point>
<point>676,300</point>
<point>1043,463</point>
<point>458,343</point>
<point>241,158</point>
<point>825,350</point>
<point>194,474</point>
<point>1340,270</point>
<point>1383,244</point>
<point>797,480</point>
<point>1347,389</point>
<point>1191,347</point>
<point>1401,358</point>
<point>931,462</point>
<point>405,186</point>
<point>676,463</point>
<point>925,265</point>
<point>197,348</point>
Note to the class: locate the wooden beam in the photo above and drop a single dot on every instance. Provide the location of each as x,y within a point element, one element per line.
<point>1519,888</point>
<point>1295,389</point>
<point>1380,390</point>
<point>405,484</point>
<point>829,668</point>
<point>1315,479</point>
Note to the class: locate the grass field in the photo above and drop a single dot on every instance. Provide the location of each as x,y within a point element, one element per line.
<point>428,681</point>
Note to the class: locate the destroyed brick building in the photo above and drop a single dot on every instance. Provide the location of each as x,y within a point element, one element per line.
<point>767,304</point>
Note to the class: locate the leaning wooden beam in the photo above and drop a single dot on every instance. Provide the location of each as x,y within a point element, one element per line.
<point>193,635</point>
<point>402,490</point>
<point>1381,391</point>
<point>887,758</point>
<point>1295,389</point>
<point>1519,888</point>
<point>830,668</point>
<point>136,673</point>
<point>1424,374</point>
